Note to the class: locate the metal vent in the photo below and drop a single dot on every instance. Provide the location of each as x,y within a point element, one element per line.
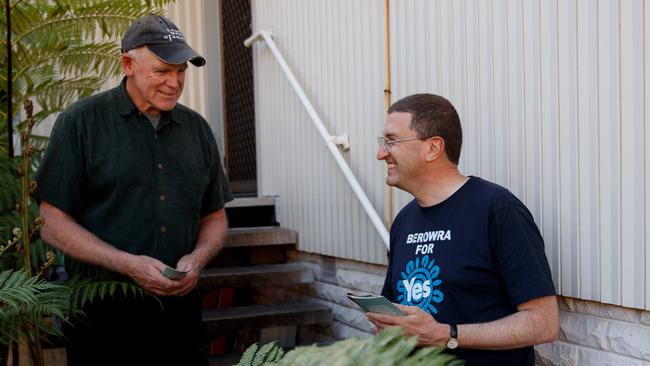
<point>239,99</point>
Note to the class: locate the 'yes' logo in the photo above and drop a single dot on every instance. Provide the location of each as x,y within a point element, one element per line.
<point>418,285</point>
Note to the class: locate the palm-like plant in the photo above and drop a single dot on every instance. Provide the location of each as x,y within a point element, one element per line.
<point>54,53</point>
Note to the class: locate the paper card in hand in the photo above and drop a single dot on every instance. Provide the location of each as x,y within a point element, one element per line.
<point>375,304</point>
<point>173,274</point>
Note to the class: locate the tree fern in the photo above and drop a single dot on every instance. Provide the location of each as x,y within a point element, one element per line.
<point>63,50</point>
<point>25,297</point>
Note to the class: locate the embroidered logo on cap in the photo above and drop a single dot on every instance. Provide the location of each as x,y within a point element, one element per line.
<point>173,34</point>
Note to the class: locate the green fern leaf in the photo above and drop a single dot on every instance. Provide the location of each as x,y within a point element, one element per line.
<point>389,347</point>
<point>248,356</point>
<point>262,353</point>
<point>273,353</point>
<point>23,298</point>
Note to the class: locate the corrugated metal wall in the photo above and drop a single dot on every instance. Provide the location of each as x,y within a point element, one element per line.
<point>552,95</point>
<point>336,51</point>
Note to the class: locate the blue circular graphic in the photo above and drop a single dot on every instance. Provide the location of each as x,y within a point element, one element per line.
<point>418,285</point>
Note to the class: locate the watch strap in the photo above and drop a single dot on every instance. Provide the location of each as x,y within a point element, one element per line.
<point>453,331</point>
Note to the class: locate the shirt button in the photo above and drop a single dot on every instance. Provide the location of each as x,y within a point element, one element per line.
<point>163,197</point>
<point>160,166</point>
<point>163,229</point>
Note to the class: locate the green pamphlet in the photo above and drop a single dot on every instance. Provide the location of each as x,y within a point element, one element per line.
<point>375,304</point>
<point>173,274</point>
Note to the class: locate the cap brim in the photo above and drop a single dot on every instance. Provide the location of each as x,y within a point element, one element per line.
<point>177,53</point>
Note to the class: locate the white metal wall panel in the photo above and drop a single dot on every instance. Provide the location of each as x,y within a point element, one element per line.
<point>552,96</point>
<point>548,101</point>
<point>587,76</point>
<point>646,176</point>
<point>632,152</point>
<point>336,51</point>
<point>609,143</point>
<point>568,120</point>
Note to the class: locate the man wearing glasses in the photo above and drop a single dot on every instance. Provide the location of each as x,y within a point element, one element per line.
<point>467,263</point>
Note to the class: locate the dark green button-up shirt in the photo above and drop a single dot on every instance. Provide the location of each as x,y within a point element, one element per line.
<point>140,189</point>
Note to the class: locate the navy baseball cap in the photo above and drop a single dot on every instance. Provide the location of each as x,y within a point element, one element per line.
<point>163,38</point>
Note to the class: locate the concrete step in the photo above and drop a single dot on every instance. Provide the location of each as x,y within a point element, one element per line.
<point>260,236</point>
<point>252,202</point>
<point>245,246</point>
<point>252,211</point>
<point>253,276</point>
<point>225,320</point>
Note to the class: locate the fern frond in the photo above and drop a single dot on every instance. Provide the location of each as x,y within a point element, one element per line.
<point>23,298</point>
<point>86,291</point>
<point>101,58</point>
<point>54,94</point>
<point>248,356</point>
<point>392,345</point>
<point>274,354</point>
<point>261,355</point>
<point>389,347</point>
<point>76,20</point>
<point>19,290</point>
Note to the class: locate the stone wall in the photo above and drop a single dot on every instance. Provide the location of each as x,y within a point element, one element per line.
<point>597,334</point>
<point>592,334</point>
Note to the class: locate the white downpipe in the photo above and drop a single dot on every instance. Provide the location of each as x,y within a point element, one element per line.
<point>361,195</point>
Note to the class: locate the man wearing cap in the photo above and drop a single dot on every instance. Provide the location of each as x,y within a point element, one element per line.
<point>131,183</point>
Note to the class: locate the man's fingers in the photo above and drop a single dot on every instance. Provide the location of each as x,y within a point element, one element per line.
<point>378,325</point>
<point>383,318</point>
<point>408,310</point>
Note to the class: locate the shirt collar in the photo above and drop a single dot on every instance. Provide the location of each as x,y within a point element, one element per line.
<point>126,107</point>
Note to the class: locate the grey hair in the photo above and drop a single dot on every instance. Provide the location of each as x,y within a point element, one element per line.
<point>135,54</point>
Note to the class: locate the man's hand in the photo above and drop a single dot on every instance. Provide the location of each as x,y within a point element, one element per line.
<point>536,321</point>
<point>147,272</point>
<point>212,232</point>
<point>191,279</point>
<point>416,322</point>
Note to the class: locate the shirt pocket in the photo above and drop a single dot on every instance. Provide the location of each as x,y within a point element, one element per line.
<point>188,188</point>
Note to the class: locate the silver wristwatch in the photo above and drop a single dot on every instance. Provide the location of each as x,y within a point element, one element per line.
<point>452,342</point>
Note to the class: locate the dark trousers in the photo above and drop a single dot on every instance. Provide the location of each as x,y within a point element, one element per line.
<point>138,331</point>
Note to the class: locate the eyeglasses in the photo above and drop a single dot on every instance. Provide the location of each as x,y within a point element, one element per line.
<point>387,145</point>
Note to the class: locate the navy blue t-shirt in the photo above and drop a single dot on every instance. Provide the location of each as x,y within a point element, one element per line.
<point>469,259</point>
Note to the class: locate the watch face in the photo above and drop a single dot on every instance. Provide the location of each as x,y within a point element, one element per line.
<point>452,343</point>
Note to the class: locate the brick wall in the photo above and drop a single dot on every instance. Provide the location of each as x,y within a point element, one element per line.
<point>592,334</point>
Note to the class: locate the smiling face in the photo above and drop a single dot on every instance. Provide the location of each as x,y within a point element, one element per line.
<point>153,85</point>
<point>404,158</point>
